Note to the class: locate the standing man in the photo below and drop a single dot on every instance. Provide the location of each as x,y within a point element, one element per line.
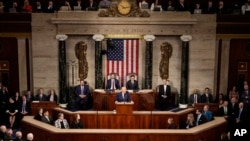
<point>113,83</point>
<point>207,97</point>
<point>82,93</point>
<point>123,96</point>
<point>164,94</point>
<point>132,84</point>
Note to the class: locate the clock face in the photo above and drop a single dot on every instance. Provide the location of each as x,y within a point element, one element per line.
<point>124,7</point>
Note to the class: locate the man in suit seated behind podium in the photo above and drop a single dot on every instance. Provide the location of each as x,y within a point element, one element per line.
<point>123,96</point>
<point>41,96</point>
<point>132,84</point>
<point>113,83</point>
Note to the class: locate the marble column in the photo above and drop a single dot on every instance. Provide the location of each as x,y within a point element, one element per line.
<point>63,97</point>
<point>148,61</point>
<point>98,61</point>
<point>184,68</point>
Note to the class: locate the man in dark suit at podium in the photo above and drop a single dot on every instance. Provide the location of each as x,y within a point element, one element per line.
<point>164,94</point>
<point>113,83</point>
<point>132,84</point>
<point>82,93</point>
<point>123,96</point>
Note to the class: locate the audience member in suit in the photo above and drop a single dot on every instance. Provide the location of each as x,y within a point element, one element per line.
<point>39,115</point>
<point>18,136</point>
<point>4,100</point>
<point>207,113</point>
<point>207,97</point>
<point>209,9</point>
<point>242,118</point>
<point>50,8</point>
<point>233,106</point>
<point>113,83</point>
<point>82,95</point>
<point>221,8</point>
<point>181,6</point>
<point>91,6</point>
<point>52,96</point>
<point>245,96</point>
<point>79,3</point>
<point>8,136</point>
<point>76,123</point>
<point>132,84</point>
<point>104,4</point>
<point>30,137</point>
<point>195,97</point>
<point>29,96</point>
<point>169,6</point>
<point>224,110</point>
<point>171,124</point>
<point>18,99</point>
<point>164,94</point>
<point>41,96</point>
<point>47,118</point>
<point>123,96</point>
<point>200,118</point>
<point>38,8</point>
<point>24,108</point>
<point>156,6</point>
<point>3,131</point>
<point>61,122</point>
<point>190,122</point>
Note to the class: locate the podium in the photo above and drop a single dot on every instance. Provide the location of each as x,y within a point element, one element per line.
<point>124,108</point>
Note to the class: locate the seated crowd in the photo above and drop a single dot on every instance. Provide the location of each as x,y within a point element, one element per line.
<point>234,107</point>
<point>51,6</point>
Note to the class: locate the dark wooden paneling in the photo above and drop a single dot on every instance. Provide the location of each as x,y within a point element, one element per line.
<point>207,132</point>
<point>237,53</point>
<point>9,52</point>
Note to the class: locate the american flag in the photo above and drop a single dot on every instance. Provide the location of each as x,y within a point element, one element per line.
<point>122,59</point>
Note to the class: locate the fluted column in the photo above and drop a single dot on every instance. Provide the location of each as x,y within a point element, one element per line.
<point>98,60</point>
<point>63,97</point>
<point>184,68</point>
<point>148,61</point>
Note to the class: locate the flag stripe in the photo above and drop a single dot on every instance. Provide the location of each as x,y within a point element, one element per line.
<point>123,58</point>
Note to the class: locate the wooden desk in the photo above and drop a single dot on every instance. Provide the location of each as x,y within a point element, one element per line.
<point>210,131</point>
<point>136,120</point>
<point>143,100</point>
<point>46,105</point>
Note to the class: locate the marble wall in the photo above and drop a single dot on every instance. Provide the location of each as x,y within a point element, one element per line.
<point>167,27</point>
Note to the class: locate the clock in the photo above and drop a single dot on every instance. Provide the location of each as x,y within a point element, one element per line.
<point>124,7</point>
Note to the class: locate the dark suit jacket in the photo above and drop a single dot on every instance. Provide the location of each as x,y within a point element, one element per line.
<point>201,120</point>
<point>127,97</point>
<point>208,115</point>
<point>221,112</point>
<point>191,98</point>
<point>161,91</point>
<point>117,84</point>
<point>44,97</point>
<point>131,86</point>
<point>55,97</point>
<point>204,98</point>
<point>179,7</point>
<point>233,109</point>
<point>85,92</point>
<point>94,6</point>
<point>244,117</point>
<point>51,121</point>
